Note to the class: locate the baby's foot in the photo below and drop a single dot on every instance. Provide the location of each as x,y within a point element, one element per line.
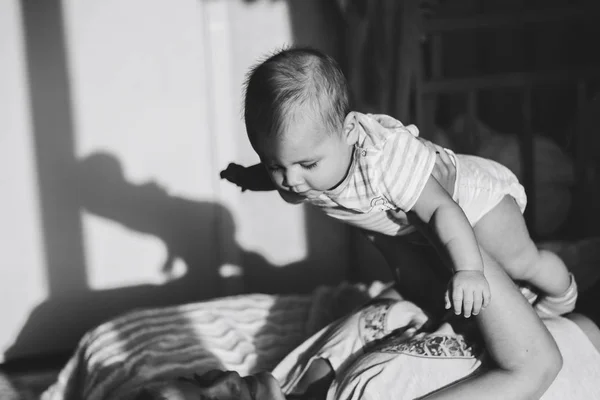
<point>553,306</point>
<point>529,294</point>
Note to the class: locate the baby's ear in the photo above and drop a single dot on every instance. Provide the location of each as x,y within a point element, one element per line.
<point>350,128</point>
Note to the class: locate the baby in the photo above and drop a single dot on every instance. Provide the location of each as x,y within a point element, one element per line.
<point>372,172</point>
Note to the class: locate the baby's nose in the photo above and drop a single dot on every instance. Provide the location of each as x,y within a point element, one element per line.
<point>292,178</point>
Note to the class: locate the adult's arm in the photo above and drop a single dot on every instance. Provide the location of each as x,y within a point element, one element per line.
<point>525,357</point>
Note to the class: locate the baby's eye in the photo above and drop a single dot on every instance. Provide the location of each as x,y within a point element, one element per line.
<point>310,166</point>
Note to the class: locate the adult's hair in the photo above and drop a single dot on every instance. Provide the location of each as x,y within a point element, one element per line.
<point>296,79</point>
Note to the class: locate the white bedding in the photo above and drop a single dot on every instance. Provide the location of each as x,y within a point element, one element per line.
<point>245,333</point>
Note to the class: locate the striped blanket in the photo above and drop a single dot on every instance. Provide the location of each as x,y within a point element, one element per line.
<point>246,333</point>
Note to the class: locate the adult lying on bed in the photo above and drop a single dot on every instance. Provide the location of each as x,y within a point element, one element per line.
<point>521,359</point>
<point>391,349</point>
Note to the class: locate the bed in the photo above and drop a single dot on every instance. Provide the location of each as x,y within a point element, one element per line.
<point>245,333</point>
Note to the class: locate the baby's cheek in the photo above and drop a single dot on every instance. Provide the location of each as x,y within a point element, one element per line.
<point>276,178</point>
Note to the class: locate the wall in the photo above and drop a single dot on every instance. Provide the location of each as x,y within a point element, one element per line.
<point>115,119</point>
<point>22,276</point>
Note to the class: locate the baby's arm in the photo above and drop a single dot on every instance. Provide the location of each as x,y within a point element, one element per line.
<point>469,289</point>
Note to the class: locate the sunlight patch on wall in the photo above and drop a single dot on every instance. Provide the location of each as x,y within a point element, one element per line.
<point>105,240</point>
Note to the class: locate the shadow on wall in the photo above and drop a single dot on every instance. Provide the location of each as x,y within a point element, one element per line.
<point>186,228</point>
<point>67,186</point>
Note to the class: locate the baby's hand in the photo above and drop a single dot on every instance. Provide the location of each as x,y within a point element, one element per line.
<point>469,291</point>
<point>236,174</point>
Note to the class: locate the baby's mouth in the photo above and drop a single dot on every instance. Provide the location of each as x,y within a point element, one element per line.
<point>309,193</point>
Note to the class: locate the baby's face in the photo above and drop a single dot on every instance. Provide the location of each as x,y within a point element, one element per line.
<point>306,159</point>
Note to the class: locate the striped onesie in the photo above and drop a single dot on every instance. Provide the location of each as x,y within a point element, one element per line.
<point>389,170</point>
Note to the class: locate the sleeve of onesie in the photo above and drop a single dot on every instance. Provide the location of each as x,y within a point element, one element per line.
<point>405,167</point>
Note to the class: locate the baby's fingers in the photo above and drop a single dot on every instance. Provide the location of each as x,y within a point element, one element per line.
<point>457,300</point>
<point>447,303</point>
<point>487,297</point>
<point>467,303</point>
<point>477,302</point>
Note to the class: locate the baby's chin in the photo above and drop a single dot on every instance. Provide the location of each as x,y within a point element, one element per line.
<point>309,194</point>
<point>312,194</point>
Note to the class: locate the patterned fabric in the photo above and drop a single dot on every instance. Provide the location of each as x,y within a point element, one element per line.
<point>373,318</point>
<point>357,335</point>
<point>430,346</point>
<point>417,368</point>
<point>339,343</point>
<point>389,170</point>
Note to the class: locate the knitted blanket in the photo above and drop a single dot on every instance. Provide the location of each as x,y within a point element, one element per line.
<point>246,333</point>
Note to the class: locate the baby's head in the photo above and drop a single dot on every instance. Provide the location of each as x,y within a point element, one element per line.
<point>291,82</point>
<point>295,107</point>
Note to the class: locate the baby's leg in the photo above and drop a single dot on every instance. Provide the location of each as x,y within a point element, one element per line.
<point>503,234</point>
